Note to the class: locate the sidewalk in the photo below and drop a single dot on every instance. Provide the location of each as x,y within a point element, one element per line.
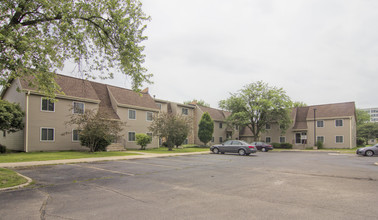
<point>87,160</point>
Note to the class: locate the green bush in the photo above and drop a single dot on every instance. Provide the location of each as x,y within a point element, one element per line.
<point>361,142</point>
<point>319,144</point>
<point>276,145</point>
<point>101,145</point>
<point>283,146</point>
<point>3,149</point>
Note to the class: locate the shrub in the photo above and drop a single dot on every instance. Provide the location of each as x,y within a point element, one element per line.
<point>319,144</point>
<point>143,140</point>
<point>283,145</point>
<point>361,142</point>
<point>100,142</point>
<point>3,149</point>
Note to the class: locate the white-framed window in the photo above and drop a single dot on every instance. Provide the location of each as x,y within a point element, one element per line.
<point>47,105</point>
<point>149,116</point>
<point>47,134</point>
<point>220,124</point>
<point>220,139</point>
<point>78,107</point>
<point>185,111</point>
<point>282,139</point>
<point>186,141</point>
<point>339,122</point>
<point>268,139</point>
<point>267,126</point>
<point>158,105</point>
<point>131,136</point>
<point>320,139</point>
<point>339,139</point>
<point>75,135</point>
<point>132,114</point>
<point>149,134</point>
<point>320,124</point>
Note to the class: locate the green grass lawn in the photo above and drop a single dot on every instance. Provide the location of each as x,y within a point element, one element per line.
<point>164,150</point>
<point>61,155</point>
<point>9,178</point>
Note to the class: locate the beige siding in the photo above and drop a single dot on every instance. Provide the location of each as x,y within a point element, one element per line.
<point>39,119</point>
<point>14,141</point>
<point>139,125</point>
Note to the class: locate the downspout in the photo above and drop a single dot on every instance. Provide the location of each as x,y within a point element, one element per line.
<point>351,133</point>
<point>27,122</point>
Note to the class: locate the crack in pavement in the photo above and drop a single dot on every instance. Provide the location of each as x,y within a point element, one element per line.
<point>42,210</point>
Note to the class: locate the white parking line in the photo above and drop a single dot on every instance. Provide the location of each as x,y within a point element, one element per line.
<point>150,164</point>
<point>97,168</point>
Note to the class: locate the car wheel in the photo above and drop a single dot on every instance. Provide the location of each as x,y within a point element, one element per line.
<point>215,150</point>
<point>263,149</point>
<point>241,152</point>
<point>369,153</point>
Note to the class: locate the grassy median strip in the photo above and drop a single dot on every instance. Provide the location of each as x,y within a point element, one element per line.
<point>61,155</point>
<point>9,178</point>
<point>164,150</point>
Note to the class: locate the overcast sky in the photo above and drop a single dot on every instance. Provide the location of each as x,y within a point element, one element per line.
<point>318,51</point>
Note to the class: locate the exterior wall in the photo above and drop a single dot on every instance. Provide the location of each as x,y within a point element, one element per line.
<point>138,125</point>
<point>329,131</point>
<point>42,119</point>
<point>191,116</point>
<point>14,141</point>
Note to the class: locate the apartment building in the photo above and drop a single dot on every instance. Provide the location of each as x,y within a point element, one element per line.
<point>332,124</point>
<point>46,130</point>
<point>45,127</point>
<point>373,112</point>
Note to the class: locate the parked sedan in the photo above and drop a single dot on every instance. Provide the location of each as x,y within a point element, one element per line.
<point>264,147</point>
<point>234,146</point>
<point>368,151</point>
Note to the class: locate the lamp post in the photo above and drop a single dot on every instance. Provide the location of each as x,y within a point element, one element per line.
<point>314,126</point>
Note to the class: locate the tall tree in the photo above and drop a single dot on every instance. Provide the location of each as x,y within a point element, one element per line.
<point>36,37</point>
<point>11,117</point>
<point>362,117</point>
<point>95,131</point>
<point>173,128</point>
<point>205,128</point>
<point>367,131</point>
<point>198,102</point>
<point>299,104</point>
<point>257,105</point>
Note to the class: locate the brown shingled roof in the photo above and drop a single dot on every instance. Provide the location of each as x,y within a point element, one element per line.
<point>70,86</point>
<point>216,114</point>
<point>105,104</point>
<point>300,122</point>
<point>131,98</point>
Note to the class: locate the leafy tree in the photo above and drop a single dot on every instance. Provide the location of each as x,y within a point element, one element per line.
<point>173,128</point>
<point>143,140</point>
<point>362,117</point>
<point>11,117</point>
<point>205,128</point>
<point>367,131</point>
<point>200,102</point>
<point>299,104</point>
<point>182,130</point>
<point>258,104</point>
<point>96,131</point>
<point>36,37</point>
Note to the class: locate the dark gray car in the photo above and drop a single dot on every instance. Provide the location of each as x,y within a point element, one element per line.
<point>234,146</point>
<point>368,151</point>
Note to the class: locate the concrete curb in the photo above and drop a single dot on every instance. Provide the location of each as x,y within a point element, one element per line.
<point>95,159</point>
<point>18,186</point>
<point>84,160</point>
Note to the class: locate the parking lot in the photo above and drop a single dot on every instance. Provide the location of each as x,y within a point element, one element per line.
<point>272,185</point>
